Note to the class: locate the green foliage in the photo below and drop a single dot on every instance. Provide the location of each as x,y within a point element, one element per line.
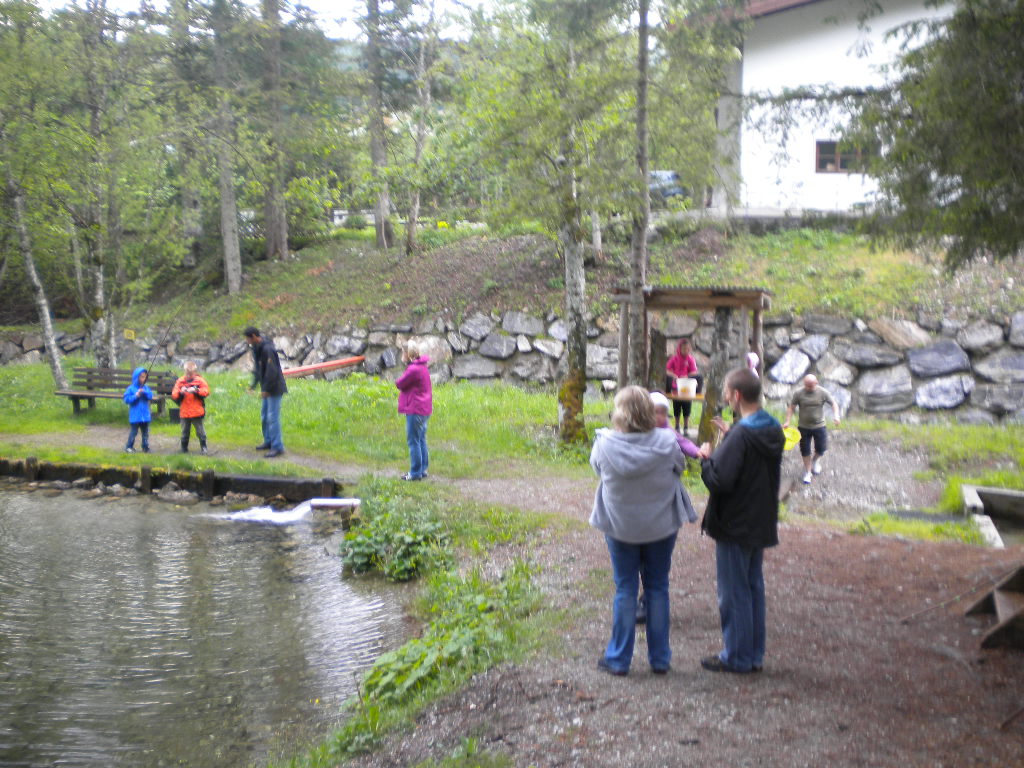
<point>469,755</point>
<point>355,221</point>
<point>396,536</point>
<point>473,625</point>
<point>945,129</point>
<point>883,524</point>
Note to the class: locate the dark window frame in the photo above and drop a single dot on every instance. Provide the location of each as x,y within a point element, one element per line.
<point>829,159</point>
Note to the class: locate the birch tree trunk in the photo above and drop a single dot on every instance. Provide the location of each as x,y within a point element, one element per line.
<point>17,198</point>
<point>275,218</point>
<point>638,340</point>
<point>595,236</point>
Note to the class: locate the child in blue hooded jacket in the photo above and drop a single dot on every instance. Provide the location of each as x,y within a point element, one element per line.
<point>138,396</point>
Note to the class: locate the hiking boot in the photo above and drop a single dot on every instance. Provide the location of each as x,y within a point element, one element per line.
<point>807,478</point>
<point>272,454</point>
<point>264,447</point>
<point>817,467</point>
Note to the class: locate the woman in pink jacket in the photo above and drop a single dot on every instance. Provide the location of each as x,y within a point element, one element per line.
<point>682,365</point>
<point>416,401</point>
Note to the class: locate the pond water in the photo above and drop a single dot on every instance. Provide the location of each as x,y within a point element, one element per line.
<point>137,634</point>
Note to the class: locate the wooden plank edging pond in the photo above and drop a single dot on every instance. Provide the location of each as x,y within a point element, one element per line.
<point>207,483</point>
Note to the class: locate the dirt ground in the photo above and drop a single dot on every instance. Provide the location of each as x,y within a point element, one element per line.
<point>871,661</point>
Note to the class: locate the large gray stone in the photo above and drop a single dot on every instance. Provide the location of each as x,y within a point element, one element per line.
<point>342,344</point>
<point>885,390</point>
<point>678,325</point>
<point>841,395</point>
<point>780,336</point>
<point>976,417</point>
<point>602,362</point>
<point>72,341</point>
<point>814,346</point>
<point>389,358</point>
<point>1017,329</point>
<point>1003,367</point>
<point>523,344</point>
<point>520,322</point>
<point>29,358</point>
<point>559,330</point>
<point>534,368</point>
<point>776,390</point>
<point>293,349</point>
<point>773,319</point>
<point>32,341</point>
<point>458,342</point>
<point>791,367</point>
<point>8,351</point>
<point>380,338</point>
<point>998,398</point>
<point>476,326</point>
<point>475,367</point>
<point>901,334</point>
<point>231,352</point>
<point>550,347</point>
<point>944,392</point>
<point>939,359</point>
<point>704,339</point>
<point>866,355</point>
<point>434,347</point>
<point>827,324</point>
<point>832,368</point>
<point>498,345</point>
<point>980,337</point>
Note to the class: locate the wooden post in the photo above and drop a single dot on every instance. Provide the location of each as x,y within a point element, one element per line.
<point>717,370</point>
<point>209,478</point>
<point>327,488</point>
<point>32,469</point>
<point>758,336</point>
<point>623,344</point>
<point>656,361</point>
<point>145,479</point>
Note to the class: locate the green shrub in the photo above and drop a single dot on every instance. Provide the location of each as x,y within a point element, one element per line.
<point>355,221</point>
<point>397,537</point>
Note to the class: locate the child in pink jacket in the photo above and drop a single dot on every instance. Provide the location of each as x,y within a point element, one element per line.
<point>416,401</point>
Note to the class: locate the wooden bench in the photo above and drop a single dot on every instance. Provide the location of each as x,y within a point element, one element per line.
<point>110,383</point>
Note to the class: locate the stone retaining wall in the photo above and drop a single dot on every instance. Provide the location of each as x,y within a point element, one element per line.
<point>933,365</point>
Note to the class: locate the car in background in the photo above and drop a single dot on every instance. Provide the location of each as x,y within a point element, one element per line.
<point>665,185</point>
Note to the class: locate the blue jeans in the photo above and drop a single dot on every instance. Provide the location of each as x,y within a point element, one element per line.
<point>270,414</point>
<point>650,562</point>
<point>416,436</point>
<point>741,605</point>
<point>133,429</point>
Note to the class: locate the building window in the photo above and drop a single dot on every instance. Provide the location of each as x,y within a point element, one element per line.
<point>834,157</point>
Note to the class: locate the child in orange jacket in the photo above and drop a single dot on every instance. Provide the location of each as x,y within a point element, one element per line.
<point>190,392</point>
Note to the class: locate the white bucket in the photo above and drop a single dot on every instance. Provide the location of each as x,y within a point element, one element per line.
<point>686,387</point>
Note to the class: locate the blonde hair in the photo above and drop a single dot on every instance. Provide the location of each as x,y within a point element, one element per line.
<point>190,366</point>
<point>634,411</point>
<point>412,350</point>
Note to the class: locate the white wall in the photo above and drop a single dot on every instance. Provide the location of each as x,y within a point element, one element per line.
<point>816,44</point>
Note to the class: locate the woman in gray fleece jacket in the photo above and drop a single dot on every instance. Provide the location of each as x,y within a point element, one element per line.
<point>639,506</point>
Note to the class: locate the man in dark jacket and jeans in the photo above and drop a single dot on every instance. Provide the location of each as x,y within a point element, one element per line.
<point>742,476</point>
<point>266,371</point>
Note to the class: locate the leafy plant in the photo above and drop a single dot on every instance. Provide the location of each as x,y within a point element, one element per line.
<point>397,537</point>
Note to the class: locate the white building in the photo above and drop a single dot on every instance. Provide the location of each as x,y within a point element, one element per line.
<point>793,44</point>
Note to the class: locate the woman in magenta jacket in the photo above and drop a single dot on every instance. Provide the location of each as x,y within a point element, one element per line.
<point>681,365</point>
<point>416,401</point>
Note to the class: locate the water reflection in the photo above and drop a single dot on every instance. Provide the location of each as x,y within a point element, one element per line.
<point>138,634</point>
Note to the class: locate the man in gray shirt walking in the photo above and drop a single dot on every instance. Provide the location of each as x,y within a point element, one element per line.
<point>811,399</point>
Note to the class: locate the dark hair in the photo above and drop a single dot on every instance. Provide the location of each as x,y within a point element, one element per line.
<point>746,382</point>
<point>252,330</point>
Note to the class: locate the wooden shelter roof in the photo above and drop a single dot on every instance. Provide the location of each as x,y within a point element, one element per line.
<point>682,298</point>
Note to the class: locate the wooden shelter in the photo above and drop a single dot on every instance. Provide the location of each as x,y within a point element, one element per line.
<point>724,300</point>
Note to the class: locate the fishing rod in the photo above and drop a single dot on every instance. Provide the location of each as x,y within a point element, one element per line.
<point>174,317</point>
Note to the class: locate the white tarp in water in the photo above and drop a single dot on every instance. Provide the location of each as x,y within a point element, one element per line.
<point>283,517</point>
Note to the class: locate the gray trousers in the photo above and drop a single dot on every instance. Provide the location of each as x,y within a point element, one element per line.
<point>186,427</point>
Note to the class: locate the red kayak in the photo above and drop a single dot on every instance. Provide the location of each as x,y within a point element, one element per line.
<point>328,365</point>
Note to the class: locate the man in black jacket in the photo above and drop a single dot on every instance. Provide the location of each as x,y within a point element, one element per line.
<point>266,371</point>
<point>742,476</point>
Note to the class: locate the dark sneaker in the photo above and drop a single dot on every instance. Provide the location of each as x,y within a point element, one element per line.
<point>145,450</point>
<point>603,664</point>
<point>661,670</point>
<point>715,664</point>
<point>264,447</point>
<point>272,454</point>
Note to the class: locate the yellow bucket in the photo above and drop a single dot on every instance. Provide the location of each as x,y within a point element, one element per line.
<point>792,437</point>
